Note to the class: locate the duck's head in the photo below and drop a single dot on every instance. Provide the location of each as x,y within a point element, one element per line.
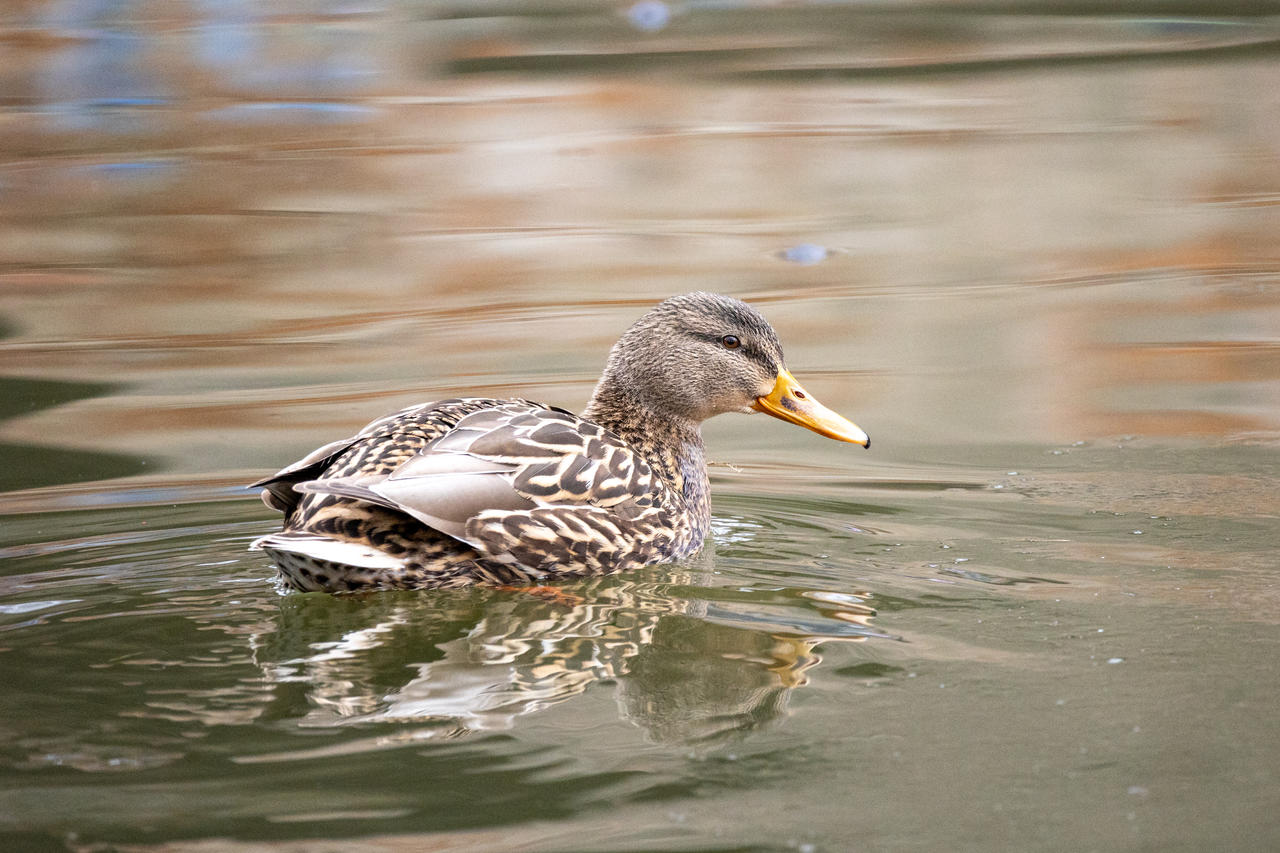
<point>703,354</point>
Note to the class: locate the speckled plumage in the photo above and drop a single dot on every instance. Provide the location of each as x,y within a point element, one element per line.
<point>512,492</point>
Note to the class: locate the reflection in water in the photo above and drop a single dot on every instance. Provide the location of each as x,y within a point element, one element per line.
<point>111,73</point>
<point>688,669</point>
<point>24,465</point>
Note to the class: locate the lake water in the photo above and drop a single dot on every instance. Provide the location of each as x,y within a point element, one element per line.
<point>1031,250</point>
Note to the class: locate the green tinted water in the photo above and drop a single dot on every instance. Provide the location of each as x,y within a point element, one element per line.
<point>1041,613</point>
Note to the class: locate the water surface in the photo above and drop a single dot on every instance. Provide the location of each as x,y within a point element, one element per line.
<point>1032,254</point>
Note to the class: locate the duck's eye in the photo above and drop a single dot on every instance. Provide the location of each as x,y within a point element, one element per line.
<point>731,342</point>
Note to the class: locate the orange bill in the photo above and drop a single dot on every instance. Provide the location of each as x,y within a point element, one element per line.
<point>789,401</point>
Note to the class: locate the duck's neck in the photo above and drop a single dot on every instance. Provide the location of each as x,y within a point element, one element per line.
<point>672,446</point>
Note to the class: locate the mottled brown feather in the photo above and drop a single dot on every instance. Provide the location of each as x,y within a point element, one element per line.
<point>499,489</point>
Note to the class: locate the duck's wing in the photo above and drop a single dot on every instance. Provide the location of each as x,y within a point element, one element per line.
<point>277,490</point>
<point>524,485</point>
<point>431,419</point>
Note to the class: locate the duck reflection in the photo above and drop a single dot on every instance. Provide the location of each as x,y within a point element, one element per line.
<point>691,663</point>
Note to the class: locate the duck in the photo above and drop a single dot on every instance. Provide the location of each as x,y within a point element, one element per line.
<point>474,491</point>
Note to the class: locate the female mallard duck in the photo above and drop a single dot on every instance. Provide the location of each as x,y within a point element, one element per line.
<point>502,492</point>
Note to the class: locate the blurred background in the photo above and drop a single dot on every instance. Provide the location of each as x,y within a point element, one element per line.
<point>1030,247</point>
<point>259,224</point>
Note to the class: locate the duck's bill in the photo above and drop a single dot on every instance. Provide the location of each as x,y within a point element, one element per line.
<point>789,401</point>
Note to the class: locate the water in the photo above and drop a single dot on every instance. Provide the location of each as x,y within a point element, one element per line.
<point>1033,255</point>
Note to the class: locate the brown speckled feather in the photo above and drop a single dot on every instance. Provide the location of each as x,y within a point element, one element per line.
<point>460,491</point>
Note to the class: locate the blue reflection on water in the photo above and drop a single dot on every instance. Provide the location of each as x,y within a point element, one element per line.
<point>147,175</point>
<point>806,254</point>
<point>133,167</point>
<point>112,69</point>
<point>310,111</point>
<point>649,15</point>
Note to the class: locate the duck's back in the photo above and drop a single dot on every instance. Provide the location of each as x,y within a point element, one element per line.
<point>469,491</point>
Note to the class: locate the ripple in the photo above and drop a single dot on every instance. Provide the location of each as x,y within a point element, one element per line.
<point>995,580</point>
<point>32,606</point>
<point>94,758</point>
